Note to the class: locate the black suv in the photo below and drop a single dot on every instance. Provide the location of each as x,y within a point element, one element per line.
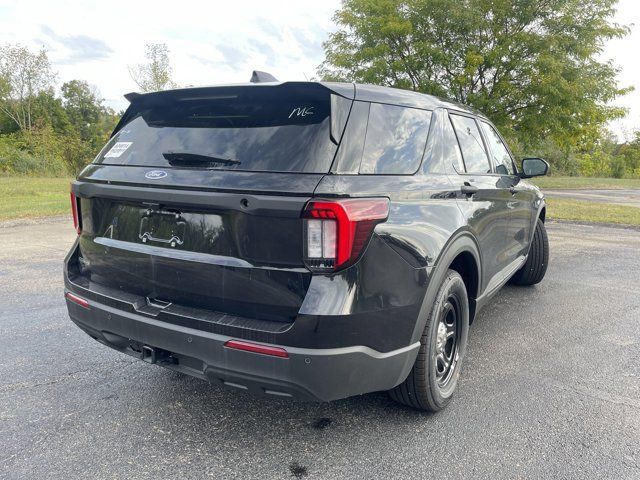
<point>301,239</point>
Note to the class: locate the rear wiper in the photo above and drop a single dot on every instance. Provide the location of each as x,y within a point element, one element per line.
<point>197,158</point>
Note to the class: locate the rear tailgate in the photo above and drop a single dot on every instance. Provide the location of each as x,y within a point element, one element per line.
<point>237,253</point>
<point>222,234</point>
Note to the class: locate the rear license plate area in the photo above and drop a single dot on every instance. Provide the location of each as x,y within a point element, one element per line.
<point>162,227</point>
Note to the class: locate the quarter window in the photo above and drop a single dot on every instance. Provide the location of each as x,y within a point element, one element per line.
<point>473,152</point>
<point>395,139</point>
<point>499,152</point>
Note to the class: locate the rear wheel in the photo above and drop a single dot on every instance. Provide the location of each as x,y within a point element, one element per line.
<point>434,376</point>
<point>535,267</point>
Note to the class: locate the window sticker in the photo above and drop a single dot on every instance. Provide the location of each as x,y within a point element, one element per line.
<point>118,149</point>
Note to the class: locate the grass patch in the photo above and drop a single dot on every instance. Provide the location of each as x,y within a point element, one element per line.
<point>585,182</point>
<point>561,209</point>
<point>29,197</point>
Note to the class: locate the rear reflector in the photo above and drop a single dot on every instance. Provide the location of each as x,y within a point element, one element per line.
<point>257,348</point>
<point>337,231</point>
<point>77,300</point>
<point>75,212</point>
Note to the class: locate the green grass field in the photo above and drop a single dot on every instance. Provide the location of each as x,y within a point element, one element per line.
<point>30,197</point>
<point>561,209</point>
<point>585,182</point>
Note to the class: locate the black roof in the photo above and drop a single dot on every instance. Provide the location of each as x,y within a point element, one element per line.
<point>357,91</point>
<point>396,96</point>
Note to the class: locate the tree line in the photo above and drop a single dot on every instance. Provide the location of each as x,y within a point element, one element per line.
<point>51,132</point>
<point>533,67</point>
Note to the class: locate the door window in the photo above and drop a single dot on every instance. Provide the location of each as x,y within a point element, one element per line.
<point>450,147</point>
<point>501,157</point>
<point>473,151</point>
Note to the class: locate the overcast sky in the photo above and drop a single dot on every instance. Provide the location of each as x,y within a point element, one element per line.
<point>215,41</point>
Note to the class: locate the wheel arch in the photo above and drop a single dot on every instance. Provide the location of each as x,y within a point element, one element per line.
<point>462,254</point>
<point>466,265</point>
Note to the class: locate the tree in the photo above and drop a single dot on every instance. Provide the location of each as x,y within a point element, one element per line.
<point>630,152</point>
<point>532,66</point>
<point>23,76</point>
<point>91,122</point>
<point>156,73</point>
<point>84,108</point>
<point>49,111</point>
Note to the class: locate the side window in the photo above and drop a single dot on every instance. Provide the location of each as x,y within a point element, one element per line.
<point>450,147</point>
<point>473,152</point>
<point>395,139</point>
<point>499,152</point>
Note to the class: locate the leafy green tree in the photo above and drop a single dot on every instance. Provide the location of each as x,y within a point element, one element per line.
<point>23,76</point>
<point>84,109</point>
<point>156,73</point>
<point>532,66</point>
<point>630,152</point>
<point>91,122</point>
<point>49,111</point>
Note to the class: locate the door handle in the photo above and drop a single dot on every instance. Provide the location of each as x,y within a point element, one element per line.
<point>468,189</point>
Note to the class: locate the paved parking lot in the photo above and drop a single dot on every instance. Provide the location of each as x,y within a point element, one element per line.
<point>626,197</point>
<point>551,388</point>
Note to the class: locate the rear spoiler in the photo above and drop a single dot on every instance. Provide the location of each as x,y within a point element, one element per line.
<point>138,101</point>
<point>131,96</point>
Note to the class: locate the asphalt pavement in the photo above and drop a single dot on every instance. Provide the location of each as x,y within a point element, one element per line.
<point>626,197</point>
<point>550,388</point>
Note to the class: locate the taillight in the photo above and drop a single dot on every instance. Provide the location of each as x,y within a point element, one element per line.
<point>336,231</point>
<point>75,211</point>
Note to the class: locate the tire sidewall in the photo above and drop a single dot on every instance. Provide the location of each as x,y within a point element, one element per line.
<point>453,284</point>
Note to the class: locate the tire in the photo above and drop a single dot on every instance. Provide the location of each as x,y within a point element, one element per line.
<point>535,267</point>
<point>430,387</point>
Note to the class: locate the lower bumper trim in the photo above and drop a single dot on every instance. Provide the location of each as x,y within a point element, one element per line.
<point>308,374</point>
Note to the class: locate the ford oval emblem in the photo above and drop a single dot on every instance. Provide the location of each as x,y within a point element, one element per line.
<point>155,174</point>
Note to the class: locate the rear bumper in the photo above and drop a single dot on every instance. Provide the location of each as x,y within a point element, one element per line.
<point>322,374</point>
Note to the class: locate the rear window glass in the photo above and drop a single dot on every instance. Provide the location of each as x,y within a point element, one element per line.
<point>395,139</point>
<point>473,152</point>
<point>274,129</point>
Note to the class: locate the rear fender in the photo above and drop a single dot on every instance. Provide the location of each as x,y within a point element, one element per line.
<point>461,242</point>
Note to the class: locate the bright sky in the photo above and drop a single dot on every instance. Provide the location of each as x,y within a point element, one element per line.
<point>215,41</point>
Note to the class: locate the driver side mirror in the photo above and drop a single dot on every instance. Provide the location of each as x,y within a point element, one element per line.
<point>534,167</point>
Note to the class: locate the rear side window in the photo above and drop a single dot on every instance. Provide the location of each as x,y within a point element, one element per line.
<point>395,139</point>
<point>499,152</point>
<point>274,129</point>
<point>473,152</point>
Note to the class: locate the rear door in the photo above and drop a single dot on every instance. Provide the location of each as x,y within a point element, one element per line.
<point>196,199</point>
<point>484,196</point>
<point>521,208</point>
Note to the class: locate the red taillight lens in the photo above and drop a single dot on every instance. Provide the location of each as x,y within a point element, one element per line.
<point>75,211</point>
<point>77,300</point>
<point>257,348</point>
<point>336,231</point>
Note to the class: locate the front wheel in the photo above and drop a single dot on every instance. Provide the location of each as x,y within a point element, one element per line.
<point>535,267</point>
<point>434,376</point>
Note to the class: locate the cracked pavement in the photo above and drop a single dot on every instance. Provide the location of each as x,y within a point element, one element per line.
<point>550,388</point>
